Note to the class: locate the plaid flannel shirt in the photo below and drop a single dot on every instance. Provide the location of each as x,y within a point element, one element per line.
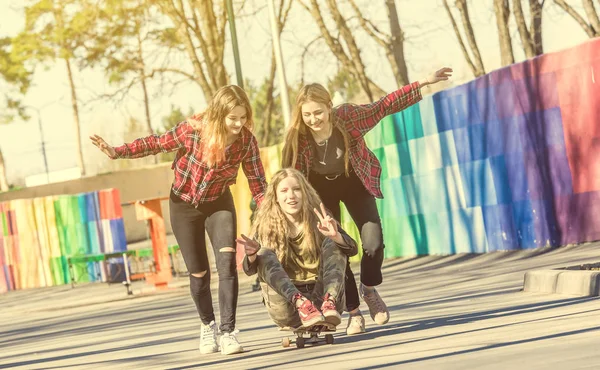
<point>195,182</point>
<point>358,120</point>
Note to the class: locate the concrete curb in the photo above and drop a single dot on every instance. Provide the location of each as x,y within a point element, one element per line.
<point>570,282</point>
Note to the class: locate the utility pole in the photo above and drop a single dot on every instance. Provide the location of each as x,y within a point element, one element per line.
<point>283,87</point>
<point>39,114</point>
<point>234,44</point>
<point>43,147</point>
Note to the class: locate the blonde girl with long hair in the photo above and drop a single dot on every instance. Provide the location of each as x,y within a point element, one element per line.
<point>210,147</point>
<point>299,252</point>
<point>327,145</point>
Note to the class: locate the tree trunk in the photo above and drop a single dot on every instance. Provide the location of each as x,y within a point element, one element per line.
<point>348,37</point>
<point>589,30</point>
<point>80,161</point>
<point>396,46</point>
<point>202,33</point>
<point>523,30</point>
<point>3,178</point>
<point>392,44</point>
<point>592,15</point>
<point>352,63</point>
<point>142,72</point>
<point>502,11</point>
<point>535,8</point>
<point>464,13</point>
<point>476,71</point>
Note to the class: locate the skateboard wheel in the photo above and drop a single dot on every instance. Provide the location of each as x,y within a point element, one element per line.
<point>300,342</point>
<point>285,342</point>
<point>329,338</point>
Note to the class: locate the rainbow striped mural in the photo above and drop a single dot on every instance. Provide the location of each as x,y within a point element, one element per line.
<point>508,161</point>
<point>38,235</point>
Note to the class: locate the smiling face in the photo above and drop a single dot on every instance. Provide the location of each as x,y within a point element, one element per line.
<point>316,116</point>
<point>235,120</point>
<point>289,197</point>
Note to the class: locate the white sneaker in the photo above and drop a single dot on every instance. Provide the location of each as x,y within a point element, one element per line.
<point>377,307</point>
<point>230,344</point>
<point>208,338</point>
<point>356,325</point>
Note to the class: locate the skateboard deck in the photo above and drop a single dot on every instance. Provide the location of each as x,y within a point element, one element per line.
<point>309,335</point>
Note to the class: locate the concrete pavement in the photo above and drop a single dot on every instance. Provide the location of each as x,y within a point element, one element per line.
<point>454,312</point>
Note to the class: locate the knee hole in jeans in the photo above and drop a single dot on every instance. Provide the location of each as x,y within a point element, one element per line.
<point>199,274</point>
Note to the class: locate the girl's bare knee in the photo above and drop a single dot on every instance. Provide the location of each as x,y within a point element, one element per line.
<point>199,274</point>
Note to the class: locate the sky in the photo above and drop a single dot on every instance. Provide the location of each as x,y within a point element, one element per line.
<point>430,45</point>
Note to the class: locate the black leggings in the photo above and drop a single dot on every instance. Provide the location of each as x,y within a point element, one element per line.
<point>363,209</point>
<point>218,219</point>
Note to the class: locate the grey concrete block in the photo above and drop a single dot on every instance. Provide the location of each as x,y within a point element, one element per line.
<point>541,281</point>
<point>583,283</point>
<point>570,282</point>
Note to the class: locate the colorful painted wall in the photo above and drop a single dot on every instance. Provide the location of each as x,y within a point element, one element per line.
<point>508,161</point>
<point>38,235</point>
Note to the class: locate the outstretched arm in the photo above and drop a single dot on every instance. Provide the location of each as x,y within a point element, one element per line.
<point>440,75</point>
<point>360,119</point>
<point>142,147</point>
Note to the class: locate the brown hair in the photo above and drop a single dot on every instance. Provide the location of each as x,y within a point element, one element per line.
<point>213,129</point>
<point>271,226</point>
<point>318,94</point>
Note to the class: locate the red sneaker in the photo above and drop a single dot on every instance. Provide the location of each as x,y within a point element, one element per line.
<point>332,316</point>
<point>309,314</point>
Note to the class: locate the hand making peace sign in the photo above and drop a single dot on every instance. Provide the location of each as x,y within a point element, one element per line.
<point>251,246</point>
<point>326,225</point>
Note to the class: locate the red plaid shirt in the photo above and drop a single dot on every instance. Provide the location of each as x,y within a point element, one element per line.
<point>195,182</point>
<point>358,120</point>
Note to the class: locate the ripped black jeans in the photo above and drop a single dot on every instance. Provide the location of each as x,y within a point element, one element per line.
<point>362,207</point>
<point>189,224</point>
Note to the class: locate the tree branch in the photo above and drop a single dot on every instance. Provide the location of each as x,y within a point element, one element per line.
<point>383,41</point>
<point>573,13</point>
<point>592,15</point>
<point>470,35</point>
<point>461,43</point>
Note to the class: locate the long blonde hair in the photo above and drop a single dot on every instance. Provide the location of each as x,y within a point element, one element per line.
<point>212,127</point>
<point>317,93</point>
<point>271,227</point>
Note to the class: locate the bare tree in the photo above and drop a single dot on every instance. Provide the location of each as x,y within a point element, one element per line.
<point>200,28</point>
<point>590,26</point>
<point>15,80</point>
<point>350,60</point>
<point>475,62</point>
<point>119,47</point>
<point>392,43</point>
<point>57,30</point>
<point>531,37</point>
<point>502,11</point>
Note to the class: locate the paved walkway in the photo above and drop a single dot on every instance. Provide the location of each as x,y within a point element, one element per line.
<point>455,312</point>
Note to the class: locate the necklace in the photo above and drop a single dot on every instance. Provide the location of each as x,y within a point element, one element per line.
<point>325,152</point>
<point>326,143</point>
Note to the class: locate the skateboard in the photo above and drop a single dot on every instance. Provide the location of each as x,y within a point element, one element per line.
<point>310,335</point>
